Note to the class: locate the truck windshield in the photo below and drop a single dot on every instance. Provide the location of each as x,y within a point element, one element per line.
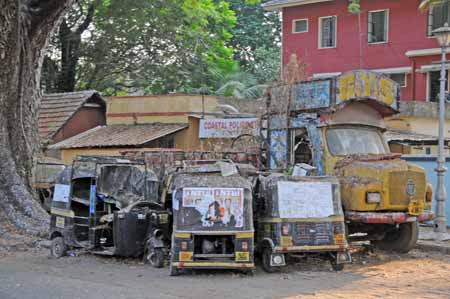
<point>355,141</point>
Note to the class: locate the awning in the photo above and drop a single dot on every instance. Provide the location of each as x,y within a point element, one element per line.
<point>432,67</point>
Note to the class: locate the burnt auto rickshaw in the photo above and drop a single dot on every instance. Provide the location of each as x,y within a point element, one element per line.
<point>212,218</point>
<point>103,204</point>
<point>300,216</point>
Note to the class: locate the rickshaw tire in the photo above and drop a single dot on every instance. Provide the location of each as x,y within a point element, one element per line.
<point>174,271</point>
<point>336,267</point>
<point>266,256</point>
<point>58,247</point>
<point>158,259</point>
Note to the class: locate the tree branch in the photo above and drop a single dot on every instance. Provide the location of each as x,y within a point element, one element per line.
<point>87,21</point>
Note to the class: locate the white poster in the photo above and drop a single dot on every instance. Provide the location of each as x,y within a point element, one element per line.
<point>305,199</point>
<point>227,127</point>
<point>61,193</point>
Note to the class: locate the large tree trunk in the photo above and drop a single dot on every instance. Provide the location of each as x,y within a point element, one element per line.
<point>25,26</point>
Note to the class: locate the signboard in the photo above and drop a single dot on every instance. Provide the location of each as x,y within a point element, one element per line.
<point>61,193</point>
<point>227,127</point>
<point>215,207</point>
<point>364,84</point>
<point>305,199</point>
<point>305,95</point>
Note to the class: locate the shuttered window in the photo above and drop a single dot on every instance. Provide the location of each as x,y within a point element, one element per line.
<point>438,16</point>
<point>435,84</point>
<point>378,26</point>
<point>327,32</point>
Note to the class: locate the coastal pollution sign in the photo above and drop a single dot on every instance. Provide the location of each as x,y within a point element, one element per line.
<point>227,127</point>
<point>305,199</point>
<point>366,84</point>
<point>215,207</point>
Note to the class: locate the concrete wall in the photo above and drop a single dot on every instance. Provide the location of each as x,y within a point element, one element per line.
<point>171,108</point>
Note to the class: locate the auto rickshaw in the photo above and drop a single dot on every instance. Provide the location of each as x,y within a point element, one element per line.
<point>300,215</point>
<point>103,204</point>
<point>212,218</point>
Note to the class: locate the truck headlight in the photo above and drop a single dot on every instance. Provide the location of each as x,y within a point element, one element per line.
<point>373,197</point>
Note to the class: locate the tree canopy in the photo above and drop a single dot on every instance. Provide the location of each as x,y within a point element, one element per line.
<point>142,46</point>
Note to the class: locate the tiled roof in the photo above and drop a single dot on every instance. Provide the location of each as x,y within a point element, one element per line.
<point>277,4</point>
<point>119,136</point>
<point>57,108</point>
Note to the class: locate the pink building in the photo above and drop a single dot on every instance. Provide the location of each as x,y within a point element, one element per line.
<point>391,37</point>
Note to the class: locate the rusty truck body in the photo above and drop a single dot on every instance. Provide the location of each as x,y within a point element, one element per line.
<point>337,125</point>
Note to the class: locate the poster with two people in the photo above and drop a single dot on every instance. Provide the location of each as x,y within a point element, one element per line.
<point>214,207</point>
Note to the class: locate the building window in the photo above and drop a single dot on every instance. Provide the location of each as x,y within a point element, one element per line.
<point>438,16</point>
<point>378,26</point>
<point>300,26</point>
<point>434,85</point>
<point>327,32</point>
<point>399,78</point>
<point>428,151</point>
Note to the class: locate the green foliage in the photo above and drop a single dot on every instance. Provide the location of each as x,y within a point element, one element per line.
<point>256,39</point>
<point>145,46</point>
<point>354,6</point>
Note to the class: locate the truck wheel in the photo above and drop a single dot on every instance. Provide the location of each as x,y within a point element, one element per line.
<point>58,248</point>
<point>401,239</point>
<point>266,258</point>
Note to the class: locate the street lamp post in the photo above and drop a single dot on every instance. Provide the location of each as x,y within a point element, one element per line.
<point>440,224</point>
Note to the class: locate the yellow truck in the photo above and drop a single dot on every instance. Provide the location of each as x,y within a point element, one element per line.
<point>336,125</point>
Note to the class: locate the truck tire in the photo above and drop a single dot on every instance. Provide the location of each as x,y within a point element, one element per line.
<point>58,248</point>
<point>401,239</point>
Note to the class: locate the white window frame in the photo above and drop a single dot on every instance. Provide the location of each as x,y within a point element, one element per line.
<point>387,26</point>
<point>320,32</point>
<point>406,79</point>
<point>293,26</point>
<point>429,30</point>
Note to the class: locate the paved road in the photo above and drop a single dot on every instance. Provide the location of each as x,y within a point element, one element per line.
<point>33,275</point>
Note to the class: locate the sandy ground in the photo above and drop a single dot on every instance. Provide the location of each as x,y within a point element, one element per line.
<point>32,274</point>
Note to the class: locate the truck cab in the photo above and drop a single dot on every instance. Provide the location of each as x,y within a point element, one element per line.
<point>337,126</point>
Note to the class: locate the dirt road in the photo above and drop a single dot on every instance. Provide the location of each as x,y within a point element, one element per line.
<point>32,274</point>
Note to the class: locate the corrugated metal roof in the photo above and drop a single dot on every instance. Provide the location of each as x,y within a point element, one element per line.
<point>57,108</point>
<point>119,136</point>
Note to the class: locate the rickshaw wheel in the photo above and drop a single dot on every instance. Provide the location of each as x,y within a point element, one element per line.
<point>336,267</point>
<point>266,256</point>
<point>58,248</point>
<point>174,271</point>
<point>154,257</point>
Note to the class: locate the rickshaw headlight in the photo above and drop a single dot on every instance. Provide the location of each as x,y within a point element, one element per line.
<point>285,230</point>
<point>373,197</point>
<point>184,245</point>
<point>244,245</point>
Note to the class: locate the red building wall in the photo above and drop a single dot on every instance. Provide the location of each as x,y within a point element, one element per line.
<point>407,31</point>
<point>84,119</point>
